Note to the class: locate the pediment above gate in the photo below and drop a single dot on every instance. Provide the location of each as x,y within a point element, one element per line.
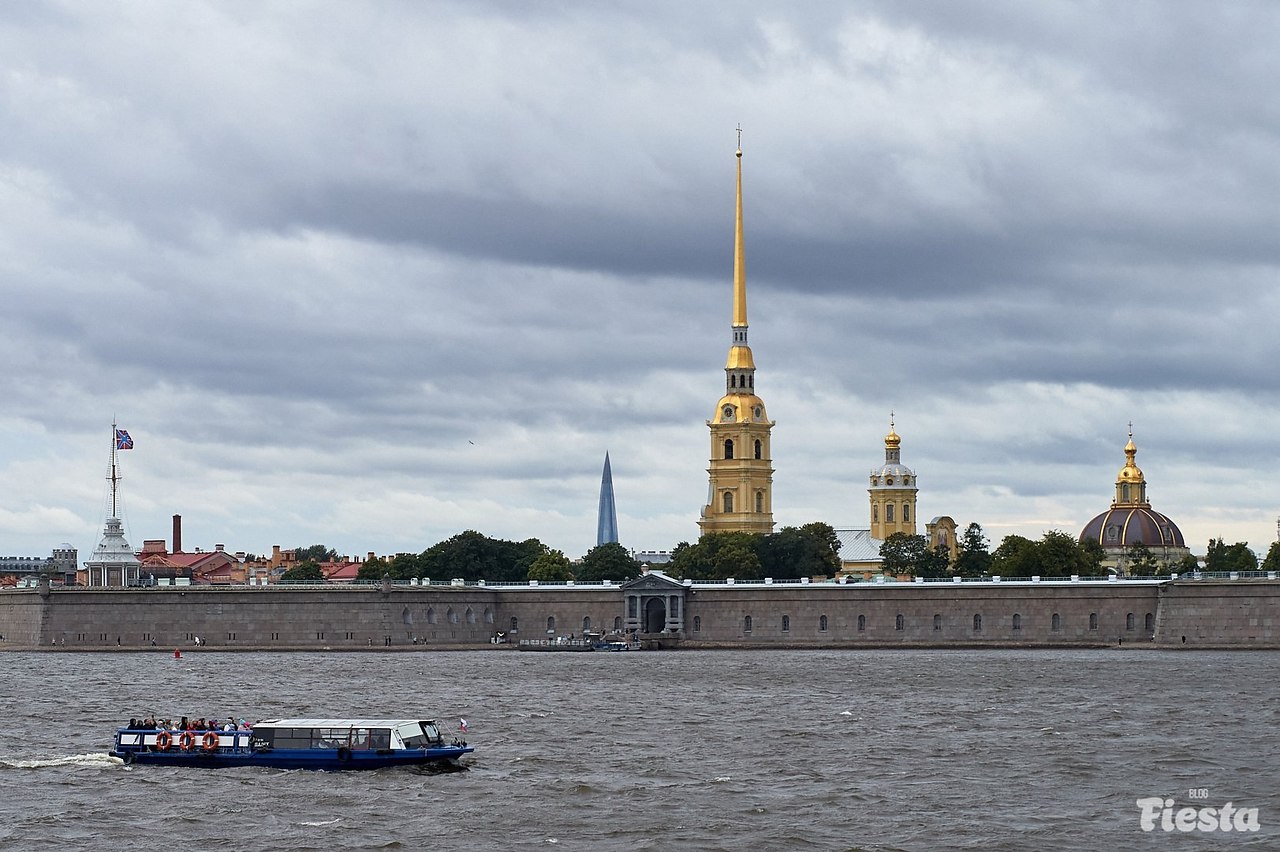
<point>654,581</point>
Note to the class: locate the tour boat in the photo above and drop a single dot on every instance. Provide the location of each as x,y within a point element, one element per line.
<point>296,744</point>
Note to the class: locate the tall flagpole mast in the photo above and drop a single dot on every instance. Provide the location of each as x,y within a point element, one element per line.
<point>115,440</point>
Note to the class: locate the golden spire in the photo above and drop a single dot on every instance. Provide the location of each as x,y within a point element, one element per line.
<point>739,255</point>
<point>740,358</point>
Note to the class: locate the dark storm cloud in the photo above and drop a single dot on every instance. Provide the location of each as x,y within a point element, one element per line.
<point>347,245</point>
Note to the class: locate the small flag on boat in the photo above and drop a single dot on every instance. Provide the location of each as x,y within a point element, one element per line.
<point>123,441</point>
<point>462,723</point>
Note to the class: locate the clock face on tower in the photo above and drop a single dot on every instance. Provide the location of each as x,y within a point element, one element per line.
<point>728,412</point>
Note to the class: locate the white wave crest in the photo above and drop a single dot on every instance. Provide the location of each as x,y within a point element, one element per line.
<point>96,759</point>
<point>333,821</point>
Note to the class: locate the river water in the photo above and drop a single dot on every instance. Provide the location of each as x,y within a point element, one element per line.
<point>706,750</point>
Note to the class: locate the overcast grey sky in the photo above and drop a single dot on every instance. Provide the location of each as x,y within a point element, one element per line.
<point>370,274</point>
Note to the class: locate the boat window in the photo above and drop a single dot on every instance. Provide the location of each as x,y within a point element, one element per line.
<point>419,734</point>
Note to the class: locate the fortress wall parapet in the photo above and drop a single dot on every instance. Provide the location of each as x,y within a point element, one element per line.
<point>924,614</point>
<point>1208,613</point>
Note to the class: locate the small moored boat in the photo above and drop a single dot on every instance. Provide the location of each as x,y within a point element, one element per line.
<point>297,744</point>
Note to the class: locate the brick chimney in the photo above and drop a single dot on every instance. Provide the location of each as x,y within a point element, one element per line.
<point>177,533</point>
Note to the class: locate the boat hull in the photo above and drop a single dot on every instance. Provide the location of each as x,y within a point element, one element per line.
<point>441,758</point>
<point>219,750</point>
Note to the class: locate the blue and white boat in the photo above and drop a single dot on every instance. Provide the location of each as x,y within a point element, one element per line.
<point>329,744</point>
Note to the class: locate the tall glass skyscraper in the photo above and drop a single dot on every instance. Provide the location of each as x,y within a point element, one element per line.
<point>607,520</point>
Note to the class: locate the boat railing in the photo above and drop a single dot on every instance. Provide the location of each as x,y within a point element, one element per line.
<point>149,739</point>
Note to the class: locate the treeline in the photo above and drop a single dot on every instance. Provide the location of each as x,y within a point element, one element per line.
<point>1056,554</point>
<point>811,550</point>
<point>472,556</point>
<point>790,553</point>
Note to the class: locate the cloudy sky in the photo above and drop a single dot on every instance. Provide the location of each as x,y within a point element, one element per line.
<point>370,274</point>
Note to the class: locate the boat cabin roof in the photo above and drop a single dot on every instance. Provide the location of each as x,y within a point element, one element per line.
<point>339,723</point>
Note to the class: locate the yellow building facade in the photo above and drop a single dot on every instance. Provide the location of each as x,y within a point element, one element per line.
<point>740,488</point>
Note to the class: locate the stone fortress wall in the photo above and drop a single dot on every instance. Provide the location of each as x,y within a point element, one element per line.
<point>1177,614</point>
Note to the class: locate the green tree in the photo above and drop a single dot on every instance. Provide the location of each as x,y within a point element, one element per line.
<point>933,563</point>
<point>718,556</point>
<point>901,553</point>
<point>472,556</point>
<point>405,566</point>
<point>1059,555</point>
<point>809,551</point>
<point>315,553</point>
<point>1188,564</point>
<point>1015,557</point>
<point>1094,554</point>
<point>1139,561</point>
<point>1272,562</point>
<point>737,559</point>
<point>1236,557</point>
<point>372,569</point>
<point>974,559</point>
<point>689,561</point>
<point>551,567</point>
<point>303,572</point>
<point>609,561</point>
<point>823,550</point>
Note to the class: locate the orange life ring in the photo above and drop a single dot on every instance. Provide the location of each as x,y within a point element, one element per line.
<point>187,741</point>
<point>209,741</point>
<point>163,740</point>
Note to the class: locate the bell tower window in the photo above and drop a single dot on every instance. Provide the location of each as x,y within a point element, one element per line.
<point>757,449</point>
<point>728,501</point>
<point>728,449</point>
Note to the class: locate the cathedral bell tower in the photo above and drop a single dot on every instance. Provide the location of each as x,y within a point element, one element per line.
<point>893,492</point>
<point>740,492</point>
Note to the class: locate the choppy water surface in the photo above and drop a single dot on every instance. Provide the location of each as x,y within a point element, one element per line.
<point>763,750</point>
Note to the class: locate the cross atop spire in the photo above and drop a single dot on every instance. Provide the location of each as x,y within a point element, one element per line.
<point>739,139</point>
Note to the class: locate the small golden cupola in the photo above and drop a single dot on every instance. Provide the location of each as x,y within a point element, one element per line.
<point>1131,485</point>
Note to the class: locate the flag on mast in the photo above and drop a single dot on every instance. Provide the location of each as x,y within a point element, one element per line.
<point>123,441</point>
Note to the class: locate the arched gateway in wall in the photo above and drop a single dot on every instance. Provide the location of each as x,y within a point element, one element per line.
<point>653,603</point>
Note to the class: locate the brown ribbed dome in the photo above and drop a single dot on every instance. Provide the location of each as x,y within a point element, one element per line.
<point>1125,526</point>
